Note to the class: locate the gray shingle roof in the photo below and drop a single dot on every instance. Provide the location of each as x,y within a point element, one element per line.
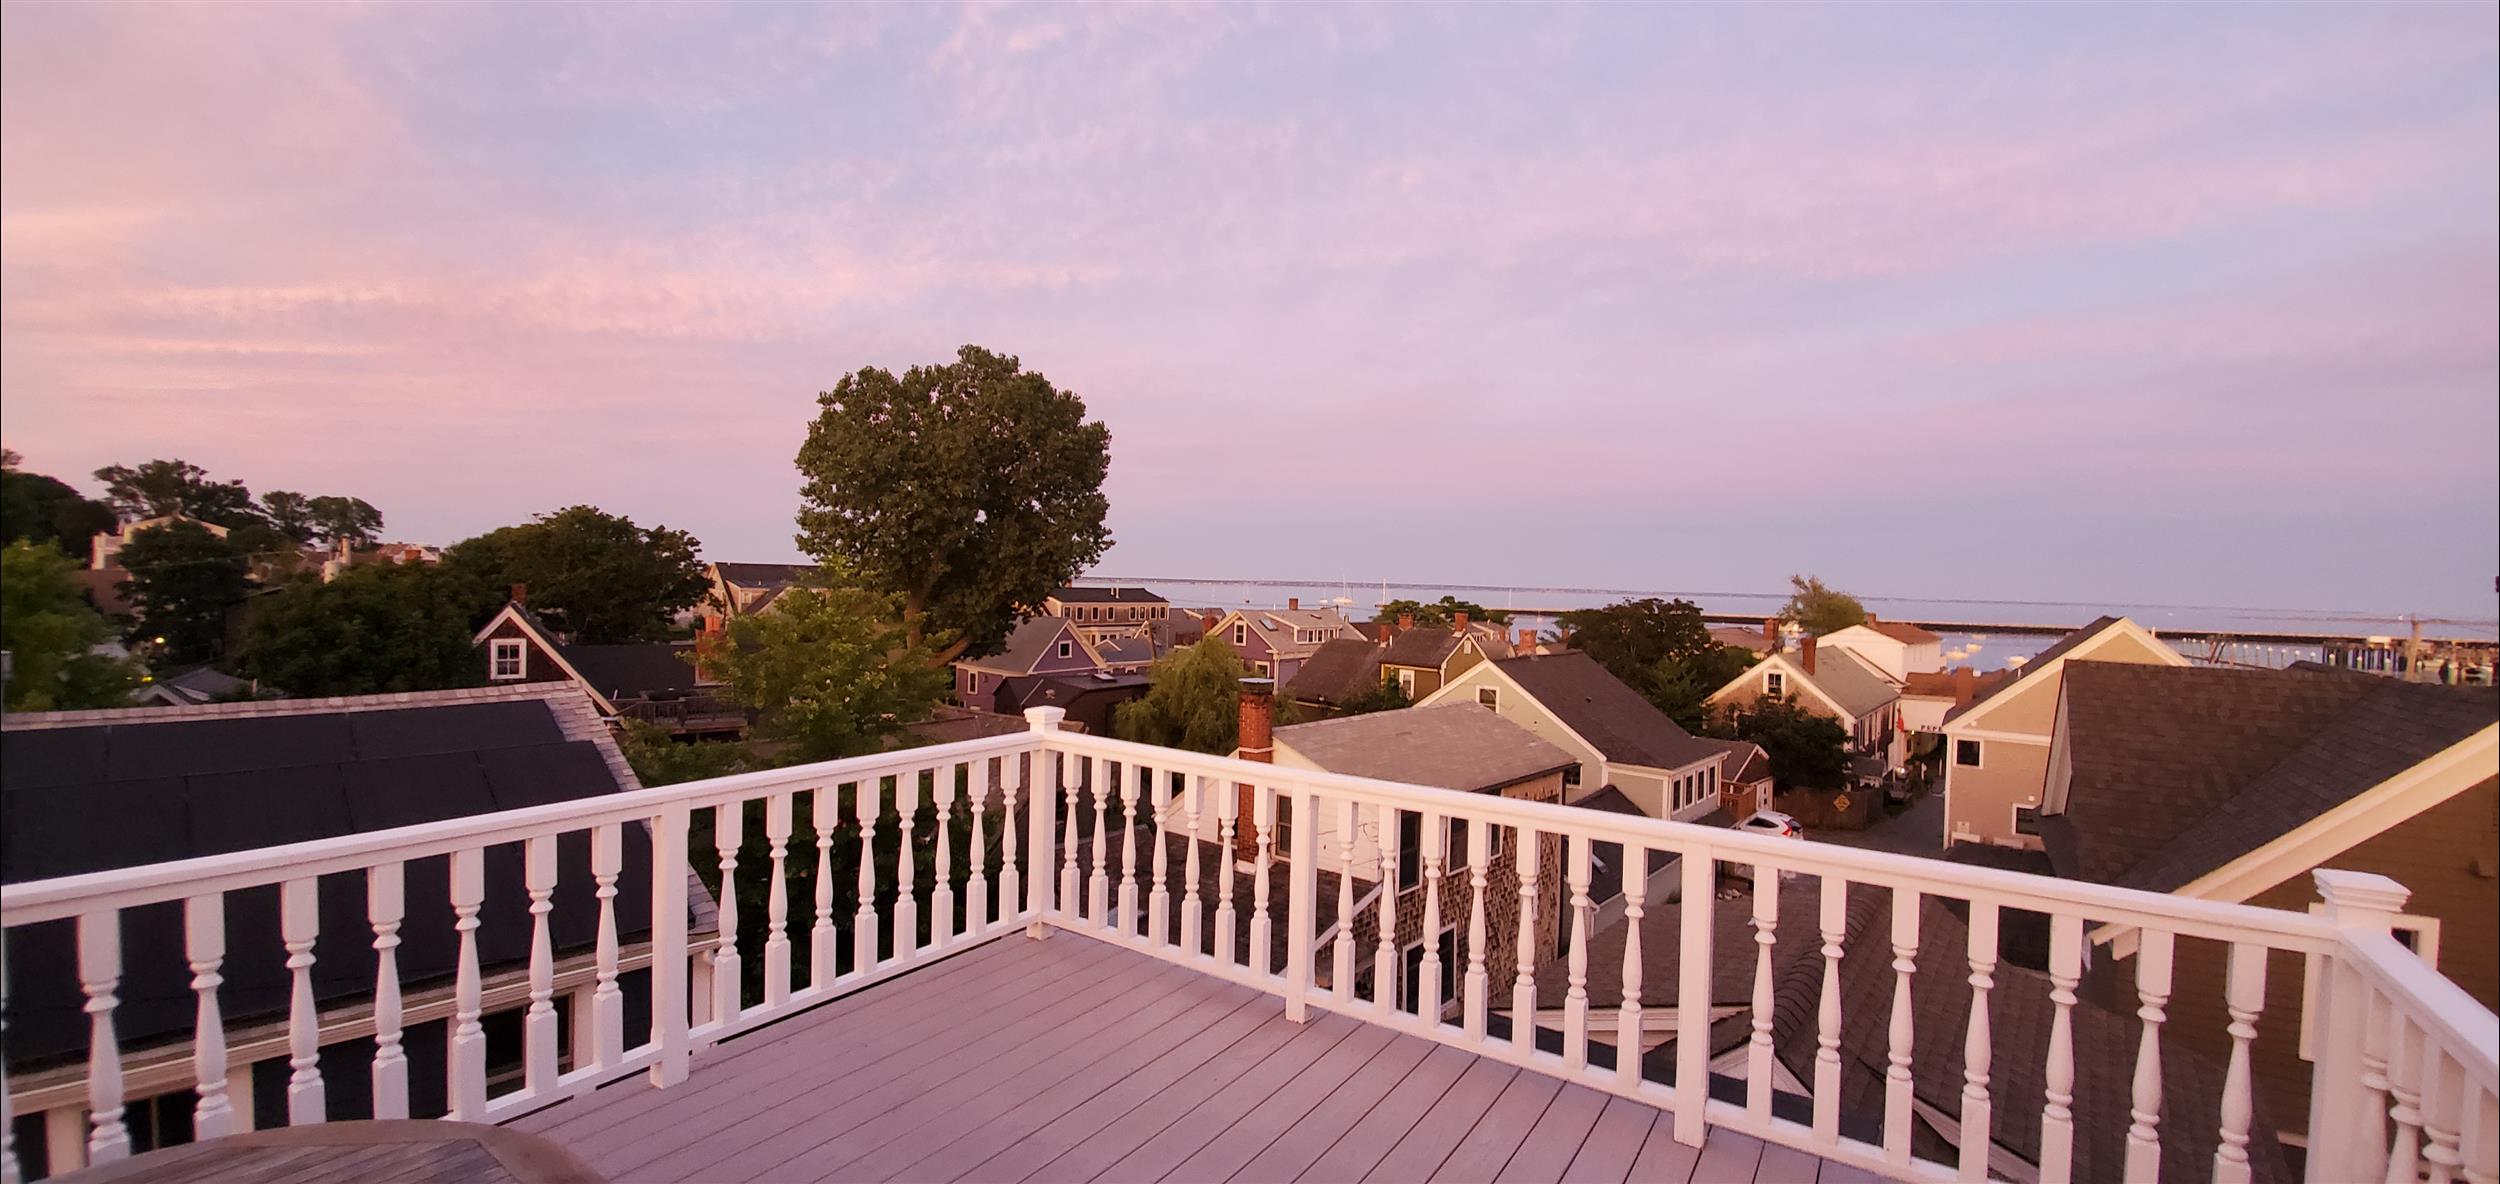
<point>1858,687</point>
<point>2039,661</point>
<point>1336,672</point>
<point>1456,746</point>
<point>634,671</point>
<point>1609,715</point>
<point>764,575</point>
<point>1084,594</point>
<point>1426,646</point>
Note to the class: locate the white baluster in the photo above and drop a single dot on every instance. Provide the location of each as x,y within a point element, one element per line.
<point>2152,989</point>
<point>729,832</point>
<point>607,997</point>
<point>1262,921</point>
<point>1479,858</point>
<point>942,895</point>
<point>538,1025</point>
<point>907,876</point>
<point>671,1000</point>
<point>1834,919</point>
<point>100,975</point>
<point>1766,924</point>
<point>1192,929</point>
<point>1436,836</point>
<point>777,824</point>
<point>299,909</point>
<point>1628,1016</point>
<point>1698,873</point>
<point>2443,1104</point>
<point>1342,953</point>
<point>824,808</point>
<point>1098,884</point>
<point>1527,859</point>
<point>468,1036</point>
<point>1227,809</point>
<point>2404,1084</point>
<point>2482,1139</point>
<point>864,809</point>
<point>1128,849</point>
<point>2057,1113</point>
<point>1159,902</point>
<point>1071,881</point>
<point>2244,995</point>
<point>1978,1112</point>
<point>386,906</point>
<point>1898,1095</point>
<point>1010,874</point>
<point>977,883</point>
<point>2377,1024</point>
<point>204,940</point>
<point>1385,950</point>
<point>1575,1048</point>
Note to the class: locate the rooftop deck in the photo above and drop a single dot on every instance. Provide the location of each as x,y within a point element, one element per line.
<point>1009,1062</point>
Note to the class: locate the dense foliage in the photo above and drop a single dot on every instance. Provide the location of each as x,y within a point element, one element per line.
<point>594,576</point>
<point>350,520</point>
<point>41,509</point>
<point>375,629</point>
<point>1192,701</point>
<point>50,632</point>
<point>1441,612</point>
<point>831,672</point>
<point>1807,751</point>
<point>162,487</point>
<point>1819,609</point>
<point>970,489</point>
<point>183,581</point>
<point>1661,648</point>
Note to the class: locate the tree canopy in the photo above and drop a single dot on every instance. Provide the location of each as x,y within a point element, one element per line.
<point>350,520</point>
<point>1819,609</point>
<point>1661,648</point>
<point>1192,701</point>
<point>183,579</point>
<point>830,672</point>
<point>595,576</point>
<point>41,509</point>
<point>50,631</point>
<point>1807,751</point>
<point>970,489</point>
<point>1442,612</point>
<point>375,629</point>
<point>289,513</point>
<point>161,487</point>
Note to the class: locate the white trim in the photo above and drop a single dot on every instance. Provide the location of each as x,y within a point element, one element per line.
<point>2032,738</point>
<point>1797,675</point>
<point>1973,741</point>
<point>1495,702</point>
<point>520,650</point>
<point>2122,627</point>
<point>544,643</point>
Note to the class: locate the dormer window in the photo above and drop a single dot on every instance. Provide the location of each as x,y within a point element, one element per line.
<point>1067,649</point>
<point>507,659</point>
<point>1775,683</point>
<point>1241,634</point>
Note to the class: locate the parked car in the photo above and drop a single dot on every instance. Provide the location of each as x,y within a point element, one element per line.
<point>1772,822</point>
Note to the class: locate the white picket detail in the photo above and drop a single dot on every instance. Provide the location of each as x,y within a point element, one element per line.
<point>1575,1048</point>
<point>2057,1115</point>
<point>1159,901</point>
<point>1628,1013</point>
<point>299,925</point>
<point>1227,931</point>
<point>1385,945</point>
<point>2441,1117</point>
<point>204,944</point>
<point>1526,858</point>
<point>1098,884</point>
<point>1010,873</point>
<point>1341,965</point>
<point>865,806</point>
<point>1193,791</point>
<point>2245,995</point>
<point>1692,996</point>
<point>729,828</point>
<point>977,881</point>
<point>1766,927</point>
<point>468,1034</point>
<point>906,872</point>
<point>1071,880</point>
<point>1430,973</point>
<point>1128,849</point>
<point>386,908</point>
<point>1262,868</point>
<point>777,824</point>
<point>1978,1110</point>
<point>2404,1085</point>
<point>539,1064</point>
<point>1478,985</point>
<point>99,976</point>
<point>607,995</point>
<point>1832,916</point>
<point>942,895</point>
<point>2152,989</point>
<point>1899,1094</point>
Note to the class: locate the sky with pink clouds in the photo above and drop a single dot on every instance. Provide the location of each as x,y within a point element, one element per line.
<point>2120,303</point>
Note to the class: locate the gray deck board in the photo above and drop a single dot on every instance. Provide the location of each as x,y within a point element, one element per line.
<point>1076,1060</point>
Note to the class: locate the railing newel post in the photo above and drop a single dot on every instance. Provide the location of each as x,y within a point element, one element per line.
<point>1041,804</point>
<point>669,971</point>
<point>1301,897</point>
<point>2346,1140</point>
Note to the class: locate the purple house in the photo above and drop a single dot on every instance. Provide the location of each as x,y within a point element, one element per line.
<point>1040,645</point>
<point>1274,643</point>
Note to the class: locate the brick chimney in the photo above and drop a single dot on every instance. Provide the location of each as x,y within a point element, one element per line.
<point>1258,743</point>
<point>1805,654</point>
<point>1461,618</point>
<point>1527,640</point>
<point>1387,631</point>
<point>1406,621</point>
<point>1771,632</point>
<point>1293,604</point>
<point>1965,685</point>
<point>520,594</point>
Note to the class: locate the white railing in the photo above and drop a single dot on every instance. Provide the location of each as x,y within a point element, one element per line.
<point>1294,882</point>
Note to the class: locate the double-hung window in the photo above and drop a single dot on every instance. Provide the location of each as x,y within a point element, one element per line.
<point>507,659</point>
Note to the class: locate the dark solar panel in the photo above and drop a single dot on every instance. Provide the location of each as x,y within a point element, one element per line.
<point>408,790</point>
<point>226,745</point>
<point>462,727</point>
<point>537,775</point>
<point>51,756</point>
<point>69,830</point>
<point>266,808</point>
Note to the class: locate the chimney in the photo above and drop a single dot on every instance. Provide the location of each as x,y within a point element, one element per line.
<point>1805,654</point>
<point>1406,621</point>
<point>520,594</point>
<point>1258,743</point>
<point>1387,631</point>
<point>1771,632</point>
<point>1461,615</point>
<point>1527,640</point>
<point>1965,684</point>
<point>1293,604</point>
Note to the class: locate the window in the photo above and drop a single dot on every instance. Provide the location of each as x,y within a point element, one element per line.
<point>1490,697</point>
<point>1775,683</point>
<point>1410,849</point>
<point>507,659</point>
<point>1241,634</point>
<point>1067,648</point>
<point>1261,667</point>
<point>2026,820</point>
<point>1966,753</point>
<point>1406,683</point>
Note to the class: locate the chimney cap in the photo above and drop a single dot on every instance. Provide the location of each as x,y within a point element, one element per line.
<point>1258,686</point>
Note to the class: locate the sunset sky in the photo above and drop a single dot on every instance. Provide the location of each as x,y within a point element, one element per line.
<point>2113,302</point>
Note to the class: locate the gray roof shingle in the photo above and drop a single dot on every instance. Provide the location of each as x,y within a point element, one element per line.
<point>1456,746</point>
<point>1336,672</point>
<point>1609,715</point>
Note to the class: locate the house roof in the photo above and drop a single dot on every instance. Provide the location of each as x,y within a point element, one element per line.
<point>1846,679</point>
<point>1743,761</point>
<point>1961,684</point>
<point>763,575</point>
<point>1337,671</point>
<point>636,671</point>
<point>1125,649</point>
<point>1456,746</point>
<point>2178,771</point>
<point>1021,691</point>
<point>1427,646</point>
<point>199,684</point>
<point>1085,594</point>
<point>1750,640</point>
<point>949,724</point>
<point>96,790</point>
<point>1612,717</point>
<point>1906,634</point>
<point>1027,644</point>
<point>2040,661</point>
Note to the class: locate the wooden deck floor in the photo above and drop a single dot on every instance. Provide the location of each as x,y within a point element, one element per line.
<point>1072,1059</point>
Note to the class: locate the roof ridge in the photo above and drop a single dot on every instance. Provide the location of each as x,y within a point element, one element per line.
<point>259,708</point>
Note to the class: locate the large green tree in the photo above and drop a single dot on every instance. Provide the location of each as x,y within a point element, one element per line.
<point>50,633</point>
<point>1661,648</point>
<point>375,629</point>
<point>41,509</point>
<point>596,576</point>
<point>162,487</point>
<point>350,520</point>
<point>183,580</point>
<point>1807,751</point>
<point>1192,701</point>
<point>970,489</point>
<point>1820,609</point>
<point>289,513</point>
<point>830,672</point>
<point>1442,611</point>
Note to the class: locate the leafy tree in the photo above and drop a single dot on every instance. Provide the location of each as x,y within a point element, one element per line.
<point>375,629</point>
<point>345,519</point>
<point>661,759</point>
<point>595,576</point>
<point>162,487</point>
<point>970,489</point>
<point>1661,648</point>
<point>289,513</point>
<point>1681,683</point>
<point>1192,701</point>
<point>183,579</point>
<point>50,633</point>
<point>1442,612</point>
<point>1387,696</point>
<point>1807,751</point>
<point>1819,609</point>
<point>831,671</point>
<point>43,509</point>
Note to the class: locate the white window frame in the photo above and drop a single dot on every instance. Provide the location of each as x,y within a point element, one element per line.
<point>497,649</point>
<point>1261,667</point>
<point>1979,749</point>
<point>1241,634</point>
<point>1489,697</point>
<point>1067,649</point>
<point>1406,683</point>
<point>1774,682</point>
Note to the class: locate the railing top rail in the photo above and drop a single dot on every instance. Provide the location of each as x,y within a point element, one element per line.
<point>66,896</point>
<point>2456,1023</point>
<point>2219,920</point>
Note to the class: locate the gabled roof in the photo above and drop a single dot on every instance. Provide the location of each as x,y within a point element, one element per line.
<point>2044,660</point>
<point>1904,633</point>
<point>1961,684</point>
<point>1337,671</point>
<point>763,575</point>
<point>1847,680</point>
<point>1124,649</point>
<point>1029,643</point>
<point>1744,762</point>
<point>2178,771</point>
<point>1426,646</point>
<point>1610,716</point>
<point>198,684</point>
<point>637,671</point>
<point>1084,594</point>
<point>1456,746</point>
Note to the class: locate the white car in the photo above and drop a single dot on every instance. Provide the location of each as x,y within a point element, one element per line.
<point>1772,822</point>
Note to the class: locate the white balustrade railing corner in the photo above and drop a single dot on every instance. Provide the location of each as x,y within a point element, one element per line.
<point>952,846</point>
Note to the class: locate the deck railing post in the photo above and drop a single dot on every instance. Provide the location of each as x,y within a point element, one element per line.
<point>1041,805</point>
<point>2343,1128</point>
<point>1301,896</point>
<point>668,946</point>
